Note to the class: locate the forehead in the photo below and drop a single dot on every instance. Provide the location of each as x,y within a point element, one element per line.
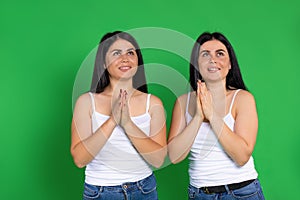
<point>213,45</point>
<point>121,44</point>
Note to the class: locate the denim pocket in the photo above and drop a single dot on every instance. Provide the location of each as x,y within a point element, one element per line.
<point>250,192</point>
<point>91,191</point>
<point>191,192</point>
<point>147,185</point>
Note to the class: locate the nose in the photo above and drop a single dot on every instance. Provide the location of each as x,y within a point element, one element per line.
<point>124,58</point>
<point>212,59</point>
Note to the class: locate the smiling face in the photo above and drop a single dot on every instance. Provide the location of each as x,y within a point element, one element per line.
<point>121,60</point>
<point>213,61</point>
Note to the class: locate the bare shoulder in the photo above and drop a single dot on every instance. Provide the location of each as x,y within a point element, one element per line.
<point>155,100</point>
<point>184,98</point>
<point>83,101</point>
<point>244,98</point>
<point>244,95</point>
<point>84,98</point>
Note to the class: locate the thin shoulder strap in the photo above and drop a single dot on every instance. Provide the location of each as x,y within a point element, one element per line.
<point>233,98</point>
<point>93,101</point>
<point>148,103</point>
<point>187,103</point>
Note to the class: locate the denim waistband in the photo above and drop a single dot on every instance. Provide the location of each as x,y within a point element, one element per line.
<point>128,186</point>
<point>223,188</point>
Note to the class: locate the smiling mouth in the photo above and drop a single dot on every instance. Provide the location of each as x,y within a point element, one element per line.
<point>213,69</point>
<point>124,68</point>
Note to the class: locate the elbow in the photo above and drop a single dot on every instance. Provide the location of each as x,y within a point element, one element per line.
<point>157,164</point>
<point>173,157</point>
<point>175,161</point>
<point>78,162</point>
<point>159,161</point>
<point>242,161</point>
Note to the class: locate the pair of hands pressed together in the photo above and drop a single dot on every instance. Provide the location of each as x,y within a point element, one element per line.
<point>120,109</point>
<point>204,102</point>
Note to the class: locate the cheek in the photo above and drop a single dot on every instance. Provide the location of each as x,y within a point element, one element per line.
<point>223,64</point>
<point>135,60</point>
<point>225,61</point>
<point>135,70</point>
<point>111,61</point>
<point>203,62</point>
<point>201,71</point>
<point>201,66</point>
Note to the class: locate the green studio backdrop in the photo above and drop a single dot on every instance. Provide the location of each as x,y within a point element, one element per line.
<point>44,43</point>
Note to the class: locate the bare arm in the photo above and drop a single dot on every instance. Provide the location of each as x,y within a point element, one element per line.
<point>238,144</point>
<point>182,136</point>
<point>153,148</point>
<point>84,144</point>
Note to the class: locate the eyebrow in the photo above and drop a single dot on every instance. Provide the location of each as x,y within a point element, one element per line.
<point>120,50</point>
<point>218,50</point>
<point>204,51</point>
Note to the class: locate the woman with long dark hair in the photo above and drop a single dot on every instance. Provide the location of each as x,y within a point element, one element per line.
<point>216,124</point>
<point>118,129</point>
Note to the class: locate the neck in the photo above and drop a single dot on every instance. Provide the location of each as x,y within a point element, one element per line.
<point>217,88</point>
<point>218,93</point>
<point>116,85</point>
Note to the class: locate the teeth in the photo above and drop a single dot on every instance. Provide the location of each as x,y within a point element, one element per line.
<point>124,68</point>
<point>213,69</point>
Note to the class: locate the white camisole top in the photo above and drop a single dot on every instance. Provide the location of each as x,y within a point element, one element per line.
<point>209,163</point>
<point>118,161</point>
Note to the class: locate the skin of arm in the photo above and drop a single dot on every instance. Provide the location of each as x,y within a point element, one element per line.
<point>182,136</point>
<point>153,148</point>
<point>84,144</point>
<point>238,144</point>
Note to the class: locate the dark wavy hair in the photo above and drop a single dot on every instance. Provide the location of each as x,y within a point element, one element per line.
<point>234,78</point>
<point>101,76</point>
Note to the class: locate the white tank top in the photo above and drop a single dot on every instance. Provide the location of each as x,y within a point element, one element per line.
<point>209,163</point>
<point>118,161</point>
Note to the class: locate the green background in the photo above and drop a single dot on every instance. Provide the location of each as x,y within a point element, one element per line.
<point>43,43</point>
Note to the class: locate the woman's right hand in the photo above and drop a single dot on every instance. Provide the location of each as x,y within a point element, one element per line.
<point>199,111</point>
<point>116,108</point>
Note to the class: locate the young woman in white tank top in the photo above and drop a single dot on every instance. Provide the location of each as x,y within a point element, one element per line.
<point>216,124</point>
<point>118,130</point>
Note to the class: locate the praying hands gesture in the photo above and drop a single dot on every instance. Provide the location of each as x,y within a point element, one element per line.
<point>120,109</point>
<point>204,101</point>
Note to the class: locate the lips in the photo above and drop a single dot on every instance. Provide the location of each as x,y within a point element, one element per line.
<point>124,68</point>
<point>213,69</point>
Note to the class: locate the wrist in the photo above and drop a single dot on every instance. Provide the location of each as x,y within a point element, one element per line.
<point>127,125</point>
<point>112,122</point>
<point>107,127</point>
<point>199,116</point>
<point>214,117</point>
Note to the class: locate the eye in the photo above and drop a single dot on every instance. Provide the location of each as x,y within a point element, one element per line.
<point>220,53</point>
<point>131,53</point>
<point>116,53</point>
<point>205,54</point>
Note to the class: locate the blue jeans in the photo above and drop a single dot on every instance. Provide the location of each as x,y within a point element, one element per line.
<point>144,189</point>
<point>252,191</point>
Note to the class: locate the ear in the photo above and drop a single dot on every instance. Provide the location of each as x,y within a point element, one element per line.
<point>229,67</point>
<point>104,66</point>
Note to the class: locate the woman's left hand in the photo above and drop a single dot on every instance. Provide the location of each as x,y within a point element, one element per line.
<point>125,116</point>
<point>206,101</point>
